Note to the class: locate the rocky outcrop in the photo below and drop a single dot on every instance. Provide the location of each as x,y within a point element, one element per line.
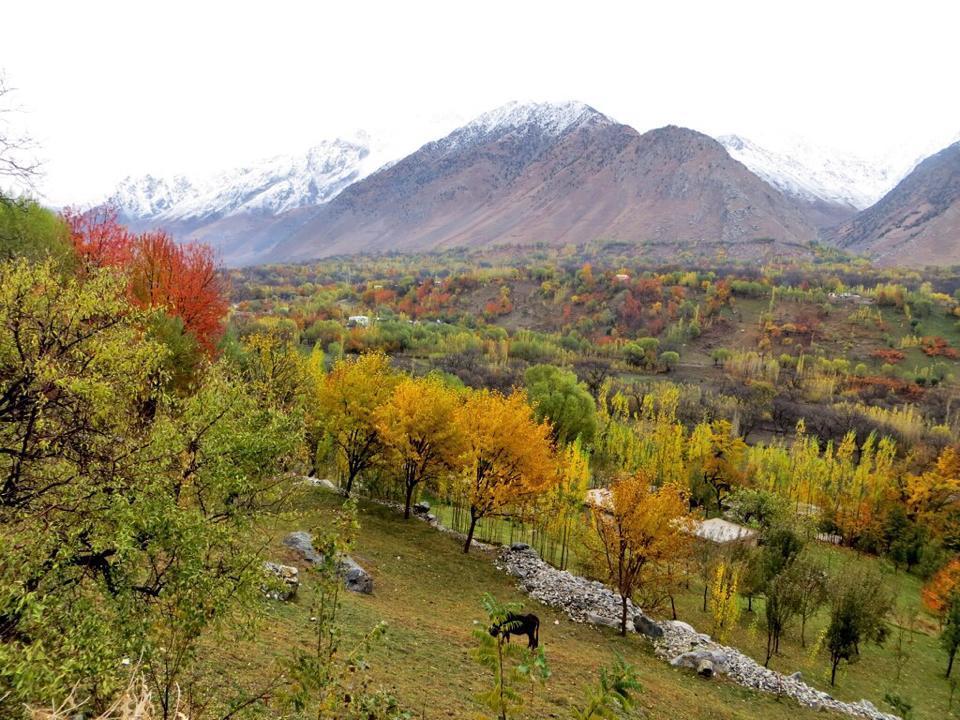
<point>677,642</point>
<point>355,578</point>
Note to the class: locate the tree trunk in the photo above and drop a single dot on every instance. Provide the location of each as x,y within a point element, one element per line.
<point>673,607</point>
<point>705,587</point>
<point>950,662</point>
<point>623,616</point>
<point>473,525</point>
<point>833,671</point>
<point>406,507</point>
<point>351,474</point>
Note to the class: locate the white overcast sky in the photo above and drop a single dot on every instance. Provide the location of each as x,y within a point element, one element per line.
<point>112,89</point>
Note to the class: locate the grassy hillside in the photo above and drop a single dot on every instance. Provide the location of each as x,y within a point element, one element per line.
<point>428,592</point>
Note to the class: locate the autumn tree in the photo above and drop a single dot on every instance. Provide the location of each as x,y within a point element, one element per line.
<point>719,455</point>
<point>636,532</point>
<point>419,427</point>
<point>509,457</point>
<point>724,604</point>
<point>941,587</point>
<point>348,398</point>
<point>181,279</point>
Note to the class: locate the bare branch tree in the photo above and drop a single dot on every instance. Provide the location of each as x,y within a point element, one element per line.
<point>18,163</point>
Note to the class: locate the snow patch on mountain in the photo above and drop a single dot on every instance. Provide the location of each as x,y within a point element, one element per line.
<point>550,119</point>
<point>812,173</point>
<point>553,118</point>
<point>272,186</point>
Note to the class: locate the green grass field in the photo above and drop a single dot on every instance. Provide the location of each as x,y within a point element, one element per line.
<point>428,592</point>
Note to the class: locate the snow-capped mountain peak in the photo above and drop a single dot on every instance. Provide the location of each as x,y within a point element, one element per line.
<point>553,118</point>
<point>809,172</point>
<point>271,186</point>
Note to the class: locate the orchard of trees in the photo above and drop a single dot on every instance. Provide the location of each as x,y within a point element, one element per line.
<point>148,427</point>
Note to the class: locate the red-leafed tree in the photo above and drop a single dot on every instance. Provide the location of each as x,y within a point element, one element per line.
<point>184,280</point>
<point>98,238</point>
<point>181,279</point>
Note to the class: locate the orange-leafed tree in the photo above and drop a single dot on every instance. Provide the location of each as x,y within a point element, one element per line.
<point>184,280</point>
<point>348,398</point>
<point>939,589</point>
<point>638,533</point>
<point>931,495</point>
<point>509,458</point>
<point>98,237</point>
<point>421,433</point>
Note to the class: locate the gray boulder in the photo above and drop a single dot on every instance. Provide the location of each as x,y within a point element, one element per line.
<point>421,508</point>
<point>302,542</point>
<point>607,621</point>
<point>645,626</point>
<point>355,578</point>
<point>701,660</point>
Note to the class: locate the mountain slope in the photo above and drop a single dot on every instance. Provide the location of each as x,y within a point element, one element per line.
<point>557,174</point>
<point>916,223</point>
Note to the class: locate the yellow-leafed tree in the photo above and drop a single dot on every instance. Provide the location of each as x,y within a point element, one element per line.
<point>508,459</point>
<point>348,398</point>
<point>420,429</point>
<point>639,532</point>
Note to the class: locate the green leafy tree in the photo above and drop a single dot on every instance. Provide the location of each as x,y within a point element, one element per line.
<point>857,615</point>
<point>950,637</point>
<point>566,403</point>
<point>124,510</point>
<point>28,230</point>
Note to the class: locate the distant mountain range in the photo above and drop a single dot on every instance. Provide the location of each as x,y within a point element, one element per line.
<point>560,173</point>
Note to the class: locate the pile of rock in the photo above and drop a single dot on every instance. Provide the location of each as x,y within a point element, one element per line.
<point>683,646</point>
<point>677,642</point>
<point>355,578</point>
<point>583,600</point>
<point>285,581</point>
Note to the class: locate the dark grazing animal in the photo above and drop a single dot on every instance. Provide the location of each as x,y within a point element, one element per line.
<point>514,624</point>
